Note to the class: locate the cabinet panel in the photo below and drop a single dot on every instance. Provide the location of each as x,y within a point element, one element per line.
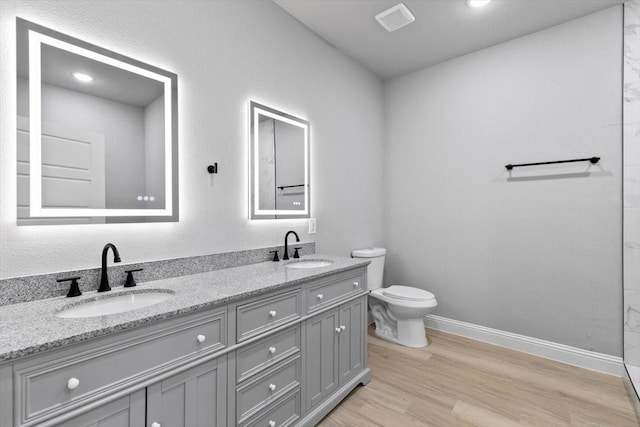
<point>332,291</point>
<point>267,352</point>
<point>194,398</point>
<point>267,313</point>
<point>352,339</point>
<point>252,396</point>
<point>124,412</point>
<point>282,413</point>
<point>321,347</point>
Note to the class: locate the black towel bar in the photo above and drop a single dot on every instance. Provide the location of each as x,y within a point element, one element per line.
<point>588,159</point>
<point>290,186</point>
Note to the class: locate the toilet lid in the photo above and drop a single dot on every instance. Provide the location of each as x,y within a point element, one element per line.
<point>407,293</point>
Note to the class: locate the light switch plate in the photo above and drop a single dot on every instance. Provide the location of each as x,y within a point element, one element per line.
<point>312,226</point>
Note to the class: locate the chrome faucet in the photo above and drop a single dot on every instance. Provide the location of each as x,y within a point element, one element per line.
<point>104,280</point>
<point>286,244</point>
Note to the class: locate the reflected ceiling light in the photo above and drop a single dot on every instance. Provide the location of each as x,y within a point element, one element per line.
<point>477,3</point>
<point>84,78</point>
<point>395,17</point>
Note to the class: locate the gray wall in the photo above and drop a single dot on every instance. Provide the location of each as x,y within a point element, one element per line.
<point>225,53</point>
<point>538,255</point>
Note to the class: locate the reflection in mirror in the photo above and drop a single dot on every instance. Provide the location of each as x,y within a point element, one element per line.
<point>97,133</point>
<point>279,164</point>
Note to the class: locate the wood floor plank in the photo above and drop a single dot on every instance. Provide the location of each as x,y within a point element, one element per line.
<point>481,416</point>
<point>460,382</point>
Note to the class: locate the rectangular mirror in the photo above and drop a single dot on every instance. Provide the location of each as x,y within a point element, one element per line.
<point>279,171</point>
<point>96,133</point>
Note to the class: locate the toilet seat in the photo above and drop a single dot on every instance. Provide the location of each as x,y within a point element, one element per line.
<point>407,293</point>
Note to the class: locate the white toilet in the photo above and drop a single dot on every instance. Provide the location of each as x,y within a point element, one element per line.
<point>398,311</point>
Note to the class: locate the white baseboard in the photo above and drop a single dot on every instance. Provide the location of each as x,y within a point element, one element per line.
<point>559,352</point>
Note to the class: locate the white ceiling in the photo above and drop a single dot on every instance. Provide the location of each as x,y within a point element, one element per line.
<point>443,29</point>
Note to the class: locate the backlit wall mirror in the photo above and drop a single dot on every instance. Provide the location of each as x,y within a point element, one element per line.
<point>279,164</point>
<point>96,133</point>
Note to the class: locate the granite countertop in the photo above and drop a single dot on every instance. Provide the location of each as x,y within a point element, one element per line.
<point>31,327</point>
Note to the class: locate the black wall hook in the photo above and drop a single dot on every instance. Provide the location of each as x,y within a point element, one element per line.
<point>213,168</point>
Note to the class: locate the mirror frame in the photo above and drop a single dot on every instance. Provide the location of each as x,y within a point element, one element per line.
<point>38,35</point>
<point>255,110</point>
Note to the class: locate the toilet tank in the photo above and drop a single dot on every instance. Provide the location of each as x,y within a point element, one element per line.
<point>375,270</point>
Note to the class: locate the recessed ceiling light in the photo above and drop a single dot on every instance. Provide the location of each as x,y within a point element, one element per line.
<point>477,3</point>
<point>395,17</point>
<point>84,78</point>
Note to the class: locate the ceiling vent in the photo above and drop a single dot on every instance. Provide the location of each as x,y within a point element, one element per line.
<point>395,17</point>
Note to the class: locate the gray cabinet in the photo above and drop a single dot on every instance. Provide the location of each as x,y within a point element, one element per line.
<point>351,339</point>
<point>267,365</point>
<point>128,411</point>
<point>335,343</point>
<point>278,358</point>
<point>321,345</point>
<point>193,398</point>
<point>49,387</point>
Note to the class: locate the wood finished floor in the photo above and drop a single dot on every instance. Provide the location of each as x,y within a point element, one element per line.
<point>461,382</point>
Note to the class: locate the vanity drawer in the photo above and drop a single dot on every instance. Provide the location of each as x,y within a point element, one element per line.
<point>257,393</point>
<point>49,384</point>
<point>267,352</point>
<point>267,313</point>
<point>328,292</point>
<point>283,413</point>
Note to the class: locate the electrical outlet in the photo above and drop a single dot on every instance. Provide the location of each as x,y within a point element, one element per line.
<point>312,226</point>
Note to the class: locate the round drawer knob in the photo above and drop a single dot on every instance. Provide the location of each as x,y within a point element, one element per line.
<point>272,350</point>
<point>342,327</point>
<point>272,313</point>
<point>73,383</point>
<point>201,338</point>
<point>272,423</point>
<point>272,387</point>
<point>320,296</point>
<point>355,284</point>
<point>338,330</point>
<point>156,424</point>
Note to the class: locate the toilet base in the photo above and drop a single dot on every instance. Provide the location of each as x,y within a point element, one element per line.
<point>407,332</point>
<point>410,333</point>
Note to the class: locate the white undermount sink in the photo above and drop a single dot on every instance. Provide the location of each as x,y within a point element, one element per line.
<point>115,304</point>
<point>312,263</point>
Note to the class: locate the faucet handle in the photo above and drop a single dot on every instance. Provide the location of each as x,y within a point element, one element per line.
<point>295,253</point>
<point>130,283</point>
<point>74,289</point>
<point>275,256</point>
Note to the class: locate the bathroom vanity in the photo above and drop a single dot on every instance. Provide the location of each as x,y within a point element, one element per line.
<point>258,345</point>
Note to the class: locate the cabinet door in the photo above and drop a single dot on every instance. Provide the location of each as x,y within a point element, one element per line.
<point>127,411</point>
<point>321,348</point>
<point>351,339</point>
<point>194,398</point>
